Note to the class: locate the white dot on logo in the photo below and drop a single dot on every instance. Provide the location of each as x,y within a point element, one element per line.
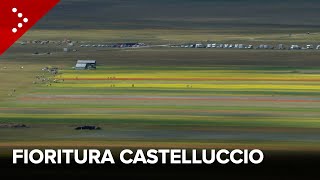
<point>14,10</point>
<point>20,25</point>
<point>20,15</point>
<point>25,20</point>
<point>14,30</point>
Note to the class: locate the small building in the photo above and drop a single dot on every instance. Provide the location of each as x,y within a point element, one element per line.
<point>66,50</point>
<point>86,64</point>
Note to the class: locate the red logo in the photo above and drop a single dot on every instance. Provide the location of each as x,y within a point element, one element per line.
<point>18,16</point>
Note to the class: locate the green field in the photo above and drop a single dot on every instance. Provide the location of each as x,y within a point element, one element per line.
<point>162,97</point>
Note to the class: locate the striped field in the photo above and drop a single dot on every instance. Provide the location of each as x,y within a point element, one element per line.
<point>200,106</point>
